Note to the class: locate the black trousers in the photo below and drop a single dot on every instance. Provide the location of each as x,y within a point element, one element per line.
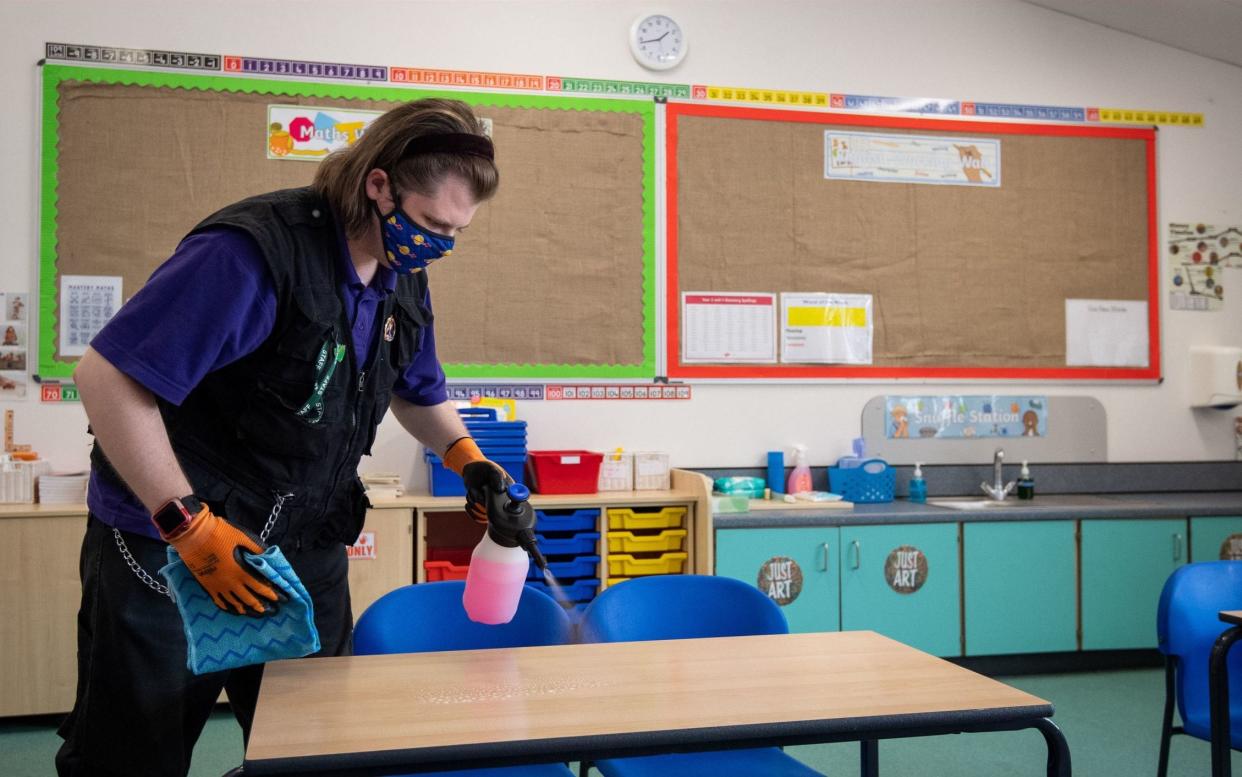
<point>139,710</point>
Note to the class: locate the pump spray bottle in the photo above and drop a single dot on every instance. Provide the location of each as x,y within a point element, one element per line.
<point>499,563</point>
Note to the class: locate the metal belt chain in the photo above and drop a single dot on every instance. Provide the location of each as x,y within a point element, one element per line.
<point>160,588</point>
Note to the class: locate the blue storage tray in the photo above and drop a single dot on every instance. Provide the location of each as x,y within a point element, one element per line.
<point>575,591</point>
<point>577,544</point>
<point>445,482</point>
<point>574,520</point>
<point>873,480</point>
<point>574,566</point>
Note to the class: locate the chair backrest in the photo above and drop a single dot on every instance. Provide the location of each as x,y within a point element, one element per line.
<point>1188,623</point>
<point>680,607</point>
<point>429,617</point>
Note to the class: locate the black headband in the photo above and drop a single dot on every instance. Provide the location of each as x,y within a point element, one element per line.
<point>451,143</point>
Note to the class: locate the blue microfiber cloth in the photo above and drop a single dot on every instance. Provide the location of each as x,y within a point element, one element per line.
<point>218,640</point>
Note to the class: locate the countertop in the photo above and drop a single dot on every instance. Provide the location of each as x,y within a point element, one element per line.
<point>1047,507</point>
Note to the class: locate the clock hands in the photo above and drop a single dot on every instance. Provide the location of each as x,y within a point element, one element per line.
<point>656,40</point>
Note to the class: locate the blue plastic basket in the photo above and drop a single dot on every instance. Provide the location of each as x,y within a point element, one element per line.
<point>575,566</point>
<point>577,544</point>
<point>568,520</point>
<point>445,482</point>
<point>871,481</point>
<point>575,591</point>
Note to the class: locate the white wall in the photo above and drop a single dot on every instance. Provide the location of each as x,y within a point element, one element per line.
<point>985,50</point>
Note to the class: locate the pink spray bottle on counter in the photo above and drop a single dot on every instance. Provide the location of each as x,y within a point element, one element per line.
<point>499,563</point>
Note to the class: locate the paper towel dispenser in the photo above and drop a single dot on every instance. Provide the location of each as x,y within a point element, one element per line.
<point>1215,376</point>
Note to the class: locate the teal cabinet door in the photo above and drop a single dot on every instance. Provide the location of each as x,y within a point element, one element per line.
<point>1020,580</point>
<point>1124,566</point>
<point>1216,538</point>
<point>902,581</point>
<point>797,568</point>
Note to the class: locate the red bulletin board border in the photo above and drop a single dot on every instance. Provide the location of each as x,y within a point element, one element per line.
<point>676,369</point>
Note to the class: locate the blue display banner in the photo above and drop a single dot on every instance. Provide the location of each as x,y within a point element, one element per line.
<point>965,416</point>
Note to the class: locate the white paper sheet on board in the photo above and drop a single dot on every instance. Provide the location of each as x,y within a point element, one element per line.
<point>728,326</point>
<point>1105,333</point>
<point>87,302</point>
<point>826,328</point>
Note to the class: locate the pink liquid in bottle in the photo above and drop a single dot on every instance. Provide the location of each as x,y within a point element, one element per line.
<point>494,582</point>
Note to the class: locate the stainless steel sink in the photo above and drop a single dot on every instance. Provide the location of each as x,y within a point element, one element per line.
<point>976,503</point>
<point>1060,501</point>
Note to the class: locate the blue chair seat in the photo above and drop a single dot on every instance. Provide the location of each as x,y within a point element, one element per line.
<point>1187,625</point>
<point>765,761</point>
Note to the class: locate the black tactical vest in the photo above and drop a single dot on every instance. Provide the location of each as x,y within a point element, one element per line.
<point>290,418</point>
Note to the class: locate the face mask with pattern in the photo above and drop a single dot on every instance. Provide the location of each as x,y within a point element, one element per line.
<point>409,247</point>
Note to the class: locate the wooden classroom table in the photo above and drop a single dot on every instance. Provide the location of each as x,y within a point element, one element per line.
<point>429,711</point>
<point>1218,693</point>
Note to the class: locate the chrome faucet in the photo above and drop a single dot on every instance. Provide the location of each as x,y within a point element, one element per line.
<point>999,489</point>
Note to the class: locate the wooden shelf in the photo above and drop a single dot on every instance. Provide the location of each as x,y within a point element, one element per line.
<point>41,510</point>
<point>603,498</point>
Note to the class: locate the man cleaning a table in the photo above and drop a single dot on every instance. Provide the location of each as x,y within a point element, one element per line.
<point>231,400</point>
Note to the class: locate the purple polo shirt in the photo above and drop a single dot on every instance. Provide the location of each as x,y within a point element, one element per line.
<point>209,305</point>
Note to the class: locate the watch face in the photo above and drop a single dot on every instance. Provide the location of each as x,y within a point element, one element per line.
<point>657,42</point>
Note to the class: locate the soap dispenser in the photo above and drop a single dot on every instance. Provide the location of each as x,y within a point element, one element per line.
<point>918,486</point>
<point>1026,484</point>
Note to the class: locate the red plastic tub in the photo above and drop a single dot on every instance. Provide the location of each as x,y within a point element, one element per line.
<point>563,472</point>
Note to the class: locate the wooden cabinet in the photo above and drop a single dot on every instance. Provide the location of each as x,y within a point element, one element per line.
<point>1216,538</point>
<point>904,582</point>
<point>383,557</point>
<point>39,596</point>
<point>1021,587</point>
<point>798,568</point>
<point>1124,566</point>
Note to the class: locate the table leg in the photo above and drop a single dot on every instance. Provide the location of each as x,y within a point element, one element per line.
<point>1218,690</point>
<point>869,752</point>
<point>1058,750</point>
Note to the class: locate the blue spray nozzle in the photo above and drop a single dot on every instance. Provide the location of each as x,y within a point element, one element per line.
<point>518,492</point>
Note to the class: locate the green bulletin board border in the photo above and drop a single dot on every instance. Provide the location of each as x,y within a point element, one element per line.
<point>53,75</point>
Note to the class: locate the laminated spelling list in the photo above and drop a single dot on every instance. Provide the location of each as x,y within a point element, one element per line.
<point>728,326</point>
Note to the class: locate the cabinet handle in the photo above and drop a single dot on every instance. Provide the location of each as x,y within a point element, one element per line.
<point>856,547</point>
<point>1177,547</point>
<point>824,567</point>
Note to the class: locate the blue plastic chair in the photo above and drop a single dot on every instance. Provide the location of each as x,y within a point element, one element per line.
<point>429,617</point>
<point>1187,625</point>
<point>686,607</point>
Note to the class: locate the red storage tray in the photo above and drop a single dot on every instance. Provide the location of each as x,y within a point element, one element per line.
<point>563,472</point>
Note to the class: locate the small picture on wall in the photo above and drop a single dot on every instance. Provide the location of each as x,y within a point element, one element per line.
<point>12,359</point>
<point>12,384</point>
<point>12,334</point>
<point>14,307</point>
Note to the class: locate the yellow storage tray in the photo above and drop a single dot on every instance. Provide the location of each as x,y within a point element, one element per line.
<point>663,518</point>
<point>624,565</point>
<point>614,580</point>
<point>629,542</point>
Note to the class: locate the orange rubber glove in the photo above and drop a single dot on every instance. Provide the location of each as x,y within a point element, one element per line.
<point>465,458</point>
<point>211,548</point>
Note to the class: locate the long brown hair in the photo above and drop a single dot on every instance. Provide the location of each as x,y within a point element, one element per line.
<point>341,177</point>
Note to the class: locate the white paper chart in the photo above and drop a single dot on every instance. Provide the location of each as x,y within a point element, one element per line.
<point>728,326</point>
<point>826,328</point>
<point>87,302</point>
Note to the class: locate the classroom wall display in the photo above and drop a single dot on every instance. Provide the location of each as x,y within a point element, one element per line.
<point>1196,255</point>
<point>555,278</point>
<point>967,282</point>
<point>14,343</point>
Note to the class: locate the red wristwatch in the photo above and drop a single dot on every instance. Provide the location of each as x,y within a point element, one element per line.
<point>175,515</point>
